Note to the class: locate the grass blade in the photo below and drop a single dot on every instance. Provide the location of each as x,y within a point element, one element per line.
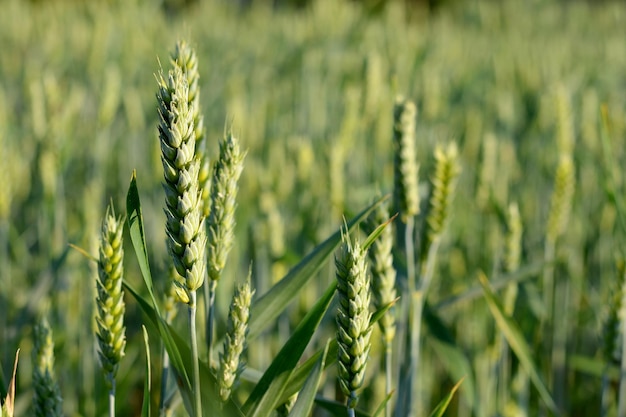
<point>518,344</point>
<point>443,404</point>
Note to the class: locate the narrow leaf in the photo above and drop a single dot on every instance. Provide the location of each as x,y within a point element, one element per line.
<point>381,408</point>
<point>445,402</point>
<point>377,232</point>
<point>306,398</point>
<point>338,409</point>
<point>147,383</point>
<point>268,307</point>
<point>264,398</point>
<point>518,344</point>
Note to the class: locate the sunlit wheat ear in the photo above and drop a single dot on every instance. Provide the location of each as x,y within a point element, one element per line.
<point>383,273</point>
<point>353,317</point>
<point>406,195</point>
<point>110,297</point>
<point>562,195</point>
<point>185,58</point>
<point>185,222</point>
<point>447,170</point>
<point>224,187</point>
<point>47,400</point>
<point>231,364</point>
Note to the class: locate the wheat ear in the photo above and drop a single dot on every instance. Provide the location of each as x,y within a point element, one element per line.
<point>221,221</point>
<point>353,318</point>
<point>47,400</point>
<point>231,364</point>
<point>110,300</point>
<point>186,235</point>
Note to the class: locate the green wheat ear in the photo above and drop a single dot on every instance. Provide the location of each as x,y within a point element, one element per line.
<point>231,364</point>
<point>181,165</point>
<point>110,299</point>
<point>447,170</point>
<point>383,273</point>
<point>406,195</point>
<point>47,400</point>
<point>353,317</point>
<point>224,187</point>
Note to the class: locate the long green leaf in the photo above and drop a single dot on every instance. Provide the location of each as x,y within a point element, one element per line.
<point>445,402</point>
<point>306,398</point>
<point>267,308</point>
<point>147,383</point>
<point>516,340</point>
<point>264,398</point>
<point>380,410</point>
<point>338,409</point>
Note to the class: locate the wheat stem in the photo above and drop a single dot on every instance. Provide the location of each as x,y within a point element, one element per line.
<point>197,402</point>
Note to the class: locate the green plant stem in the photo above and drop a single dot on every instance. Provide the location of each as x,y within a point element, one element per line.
<point>165,373</point>
<point>351,412</point>
<point>197,404</point>
<point>621,404</point>
<point>546,324</point>
<point>209,294</point>
<point>388,367</point>
<point>112,397</point>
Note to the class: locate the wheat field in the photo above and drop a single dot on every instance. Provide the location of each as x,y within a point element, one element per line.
<point>483,143</point>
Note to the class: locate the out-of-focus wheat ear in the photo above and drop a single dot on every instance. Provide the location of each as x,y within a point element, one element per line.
<point>353,317</point>
<point>224,187</point>
<point>184,56</point>
<point>383,283</point>
<point>383,279</point>
<point>221,221</point>
<point>47,400</point>
<point>562,195</point>
<point>405,191</point>
<point>447,170</point>
<point>185,222</point>
<point>110,297</point>
<point>231,364</point>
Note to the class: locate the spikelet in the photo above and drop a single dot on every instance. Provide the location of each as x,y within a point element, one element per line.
<point>185,58</point>
<point>561,201</point>
<point>443,184</point>
<point>224,187</point>
<point>406,195</point>
<point>186,235</point>
<point>383,272</point>
<point>231,364</point>
<point>110,297</point>
<point>353,317</point>
<point>47,400</point>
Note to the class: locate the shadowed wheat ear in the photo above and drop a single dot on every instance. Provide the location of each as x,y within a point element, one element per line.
<point>47,400</point>
<point>231,364</point>
<point>353,317</point>
<point>405,195</point>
